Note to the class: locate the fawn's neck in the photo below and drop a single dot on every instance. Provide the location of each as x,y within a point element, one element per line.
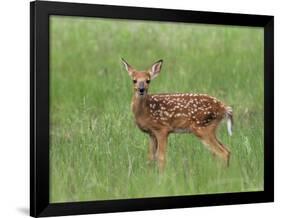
<point>139,105</point>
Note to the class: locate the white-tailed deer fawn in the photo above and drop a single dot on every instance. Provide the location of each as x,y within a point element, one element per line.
<point>162,114</point>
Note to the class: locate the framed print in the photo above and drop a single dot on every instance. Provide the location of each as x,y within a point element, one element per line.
<point>140,109</point>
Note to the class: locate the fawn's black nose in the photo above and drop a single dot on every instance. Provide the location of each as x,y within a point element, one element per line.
<point>141,90</point>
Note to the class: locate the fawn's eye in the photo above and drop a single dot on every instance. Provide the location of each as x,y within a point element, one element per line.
<point>134,81</point>
<point>148,81</point>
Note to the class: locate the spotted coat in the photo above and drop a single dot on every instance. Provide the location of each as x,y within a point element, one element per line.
<point>181,112</point>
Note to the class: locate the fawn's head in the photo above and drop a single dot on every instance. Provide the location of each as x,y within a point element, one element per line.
<point>141,79</point>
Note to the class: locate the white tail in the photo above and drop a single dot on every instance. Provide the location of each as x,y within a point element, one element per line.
<point>162,114</point>
<point>229,120</point>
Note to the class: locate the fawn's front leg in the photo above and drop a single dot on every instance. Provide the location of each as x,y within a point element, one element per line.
<point>152,148</point>
<point>162,138</point>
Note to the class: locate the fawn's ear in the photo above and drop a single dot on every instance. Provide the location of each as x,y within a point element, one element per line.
<point>155,69</point>
<point>128,67</point>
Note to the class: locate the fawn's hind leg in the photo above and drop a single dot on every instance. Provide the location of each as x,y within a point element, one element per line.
<point>217,148</point>
<point>208,137</point>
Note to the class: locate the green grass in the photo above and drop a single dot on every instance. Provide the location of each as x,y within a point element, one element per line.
<point>97,152</point>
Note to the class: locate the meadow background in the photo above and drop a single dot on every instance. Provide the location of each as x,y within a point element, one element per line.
<point>98,153</point>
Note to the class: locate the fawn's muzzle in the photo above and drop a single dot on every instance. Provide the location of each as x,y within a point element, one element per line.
<point>141,88</point>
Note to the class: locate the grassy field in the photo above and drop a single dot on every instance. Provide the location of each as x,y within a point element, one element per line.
<point>97,152</point>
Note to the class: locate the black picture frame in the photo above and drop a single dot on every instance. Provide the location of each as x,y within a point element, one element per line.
<point>39,108</point>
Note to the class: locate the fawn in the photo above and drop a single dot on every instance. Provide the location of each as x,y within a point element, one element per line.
<point>158,115</point>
